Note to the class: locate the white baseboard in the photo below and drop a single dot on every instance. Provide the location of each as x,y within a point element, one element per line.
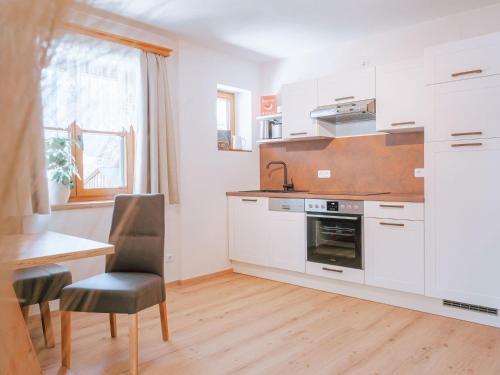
<point>386,296</point>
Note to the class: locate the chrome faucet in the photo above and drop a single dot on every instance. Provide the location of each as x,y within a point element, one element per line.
<point>286,186</point>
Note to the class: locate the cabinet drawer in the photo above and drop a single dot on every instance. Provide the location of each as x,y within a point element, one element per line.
<point>465,59</point>
<point>464,110</point>
<point>347,87</point>
<point>335,272</point>
<point>395,210</point>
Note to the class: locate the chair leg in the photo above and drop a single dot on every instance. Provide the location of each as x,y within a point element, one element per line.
<point>66,339</point>
<point>48,333</point>
<point>133,343</point>
<point>164,320</point>
<point>26,312</point>
<point>112,324</point>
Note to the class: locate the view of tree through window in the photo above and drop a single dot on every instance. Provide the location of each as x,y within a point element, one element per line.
<point>91,93</point>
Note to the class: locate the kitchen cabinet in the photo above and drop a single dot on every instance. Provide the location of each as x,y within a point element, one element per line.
<point>394,251</point>
<point>401,97</point>
<point>463,110</point>
<point>462,246</point>
<point>298,100</point>
<point>266,238</point>
<point>394,210</point>
<point>287,240</point>
<point>347,87</point>
<point>464,59</point>
<point>248,230</point>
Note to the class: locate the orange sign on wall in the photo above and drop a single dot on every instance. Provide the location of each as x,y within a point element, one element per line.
<point>267,105</point>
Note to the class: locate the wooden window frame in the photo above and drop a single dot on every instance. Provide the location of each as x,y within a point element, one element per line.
<point>81,194</point>
<point>230,96</point>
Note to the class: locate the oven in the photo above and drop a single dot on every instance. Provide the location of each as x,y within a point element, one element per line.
<point>335,232</point>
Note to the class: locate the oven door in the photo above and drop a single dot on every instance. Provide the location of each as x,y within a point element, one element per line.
<point>335,239</point>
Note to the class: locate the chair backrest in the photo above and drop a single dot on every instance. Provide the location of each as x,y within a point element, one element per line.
<point>138,233</point>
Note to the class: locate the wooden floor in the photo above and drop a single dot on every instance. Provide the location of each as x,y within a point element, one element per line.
<point>237,324</point>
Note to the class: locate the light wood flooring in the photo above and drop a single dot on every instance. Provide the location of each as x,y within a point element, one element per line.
<point>236,324</point>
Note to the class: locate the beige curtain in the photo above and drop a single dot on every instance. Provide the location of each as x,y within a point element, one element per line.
<point>26,30</point>
<point>156,166</point>
<point>22,168</point>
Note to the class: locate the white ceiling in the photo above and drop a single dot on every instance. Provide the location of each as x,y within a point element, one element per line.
<point>267,29</point>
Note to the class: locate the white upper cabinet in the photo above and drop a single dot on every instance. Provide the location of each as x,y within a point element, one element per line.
<point>400,96</point>
<point>462,230</point>
<point>298,100</point>
<point>346,87</point>
<point>465,59</point>
<point>466,109</point>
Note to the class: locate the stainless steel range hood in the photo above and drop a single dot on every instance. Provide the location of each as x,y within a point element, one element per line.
<point>362,110</point>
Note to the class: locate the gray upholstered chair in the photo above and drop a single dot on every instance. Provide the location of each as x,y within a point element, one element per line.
<point>40,285</point>
<point>134,274</point>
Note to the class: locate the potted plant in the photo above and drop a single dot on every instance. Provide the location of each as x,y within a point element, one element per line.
<point>61,168</point>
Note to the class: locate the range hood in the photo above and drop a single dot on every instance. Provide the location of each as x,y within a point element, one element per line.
<point>362,110</point>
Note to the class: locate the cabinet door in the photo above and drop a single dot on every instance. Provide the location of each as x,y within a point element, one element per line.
<point>394,251</point>
<point>400,97</point>
<point>462,226</point>
<point>464,110</point>
<point>464,59</point>
<point>298,100</point>
<point>346,87</point>
<point>287,240</point>
<point>247,230</point>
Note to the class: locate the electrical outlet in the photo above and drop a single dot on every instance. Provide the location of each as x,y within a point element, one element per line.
<point>419,172</point>
<point>169,258</point>
<point>325,173</point>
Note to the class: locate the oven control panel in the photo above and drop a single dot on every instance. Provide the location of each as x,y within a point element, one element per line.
<point>334,206</point>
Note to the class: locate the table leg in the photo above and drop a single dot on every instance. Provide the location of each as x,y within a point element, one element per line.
<point>17,356</point>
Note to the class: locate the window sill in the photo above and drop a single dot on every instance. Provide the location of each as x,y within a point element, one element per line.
<point>82,205</point>
<point>233,150</point>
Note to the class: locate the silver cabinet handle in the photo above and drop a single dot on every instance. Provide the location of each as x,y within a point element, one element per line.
<point>334,217</point>
<point>344,98</point>
<point>294,134</point>
<point>249,200</point>
<point>467,133</point>
<point>403,123</point>
<point>467,72</point>
<point>392,224</point>
<point>466,144</point>
<point>391,206</point>
<point>285,207</point>
<point>332,270</point>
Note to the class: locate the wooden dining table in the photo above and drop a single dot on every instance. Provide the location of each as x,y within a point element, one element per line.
<point>29,250</point>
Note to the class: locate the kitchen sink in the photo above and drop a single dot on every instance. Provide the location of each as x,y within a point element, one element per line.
<point>274,191</point>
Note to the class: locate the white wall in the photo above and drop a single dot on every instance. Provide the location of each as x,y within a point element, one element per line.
<point>196,229</point>
<point>381,48</point>
<point>206,174</point>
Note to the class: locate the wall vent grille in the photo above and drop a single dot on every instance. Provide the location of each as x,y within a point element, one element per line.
<point>470,307</point>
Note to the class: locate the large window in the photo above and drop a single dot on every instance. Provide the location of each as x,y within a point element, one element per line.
<point>90,94</point>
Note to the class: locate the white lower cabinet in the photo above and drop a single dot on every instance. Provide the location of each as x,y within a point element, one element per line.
<point>286,243</point>
<point>266,238</point>
<point>247,230</point>
<point>394,254</point>
<point>334,272</point>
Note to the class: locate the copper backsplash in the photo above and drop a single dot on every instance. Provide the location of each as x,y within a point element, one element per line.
<point>379,163</point>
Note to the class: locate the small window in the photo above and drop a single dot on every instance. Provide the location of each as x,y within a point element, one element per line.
<point>225,120</point>
<point>234,119</point>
